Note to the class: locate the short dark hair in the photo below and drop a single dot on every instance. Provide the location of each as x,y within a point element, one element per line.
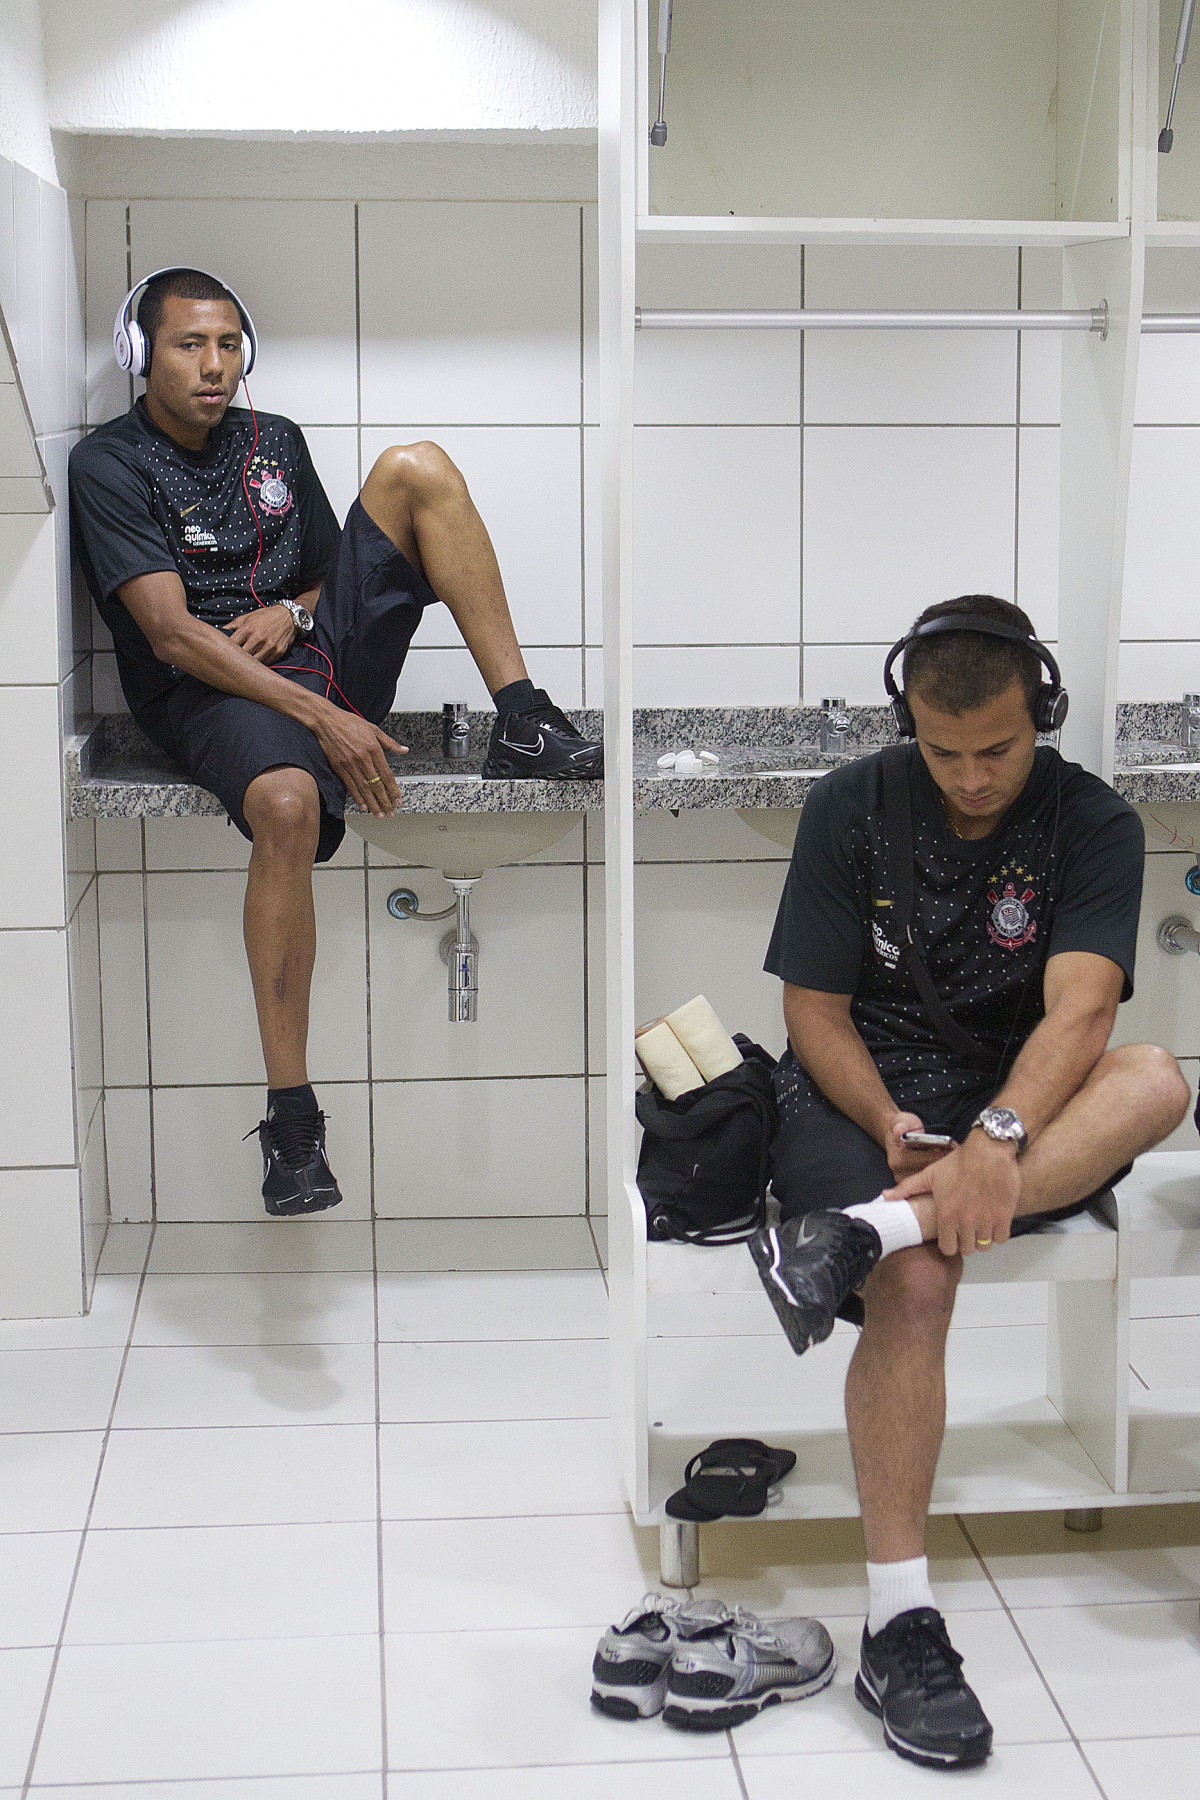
<point>186,284</point>
<point>957,671</point>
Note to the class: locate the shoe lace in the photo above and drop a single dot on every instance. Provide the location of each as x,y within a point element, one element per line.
<point>296,1140</point>
<point>757,1630</point>
<point>546,713</point>
<point>846,1261</point>
<point>927,1656</point>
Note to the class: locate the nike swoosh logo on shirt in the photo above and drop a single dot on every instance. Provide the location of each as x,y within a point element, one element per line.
<point>191,508</point>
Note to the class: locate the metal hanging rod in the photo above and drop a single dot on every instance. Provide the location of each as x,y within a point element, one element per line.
<point>1094,318</point>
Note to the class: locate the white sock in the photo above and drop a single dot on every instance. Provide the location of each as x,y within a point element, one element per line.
<point>894,1220</point>
<point>897,1587</point>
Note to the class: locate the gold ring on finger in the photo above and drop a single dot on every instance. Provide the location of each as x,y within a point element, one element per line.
<point>374,779</point>
<point>983,1243</point>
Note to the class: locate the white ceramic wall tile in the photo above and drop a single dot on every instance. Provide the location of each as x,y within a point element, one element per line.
<point>909,378</point>
<point>718,377</point>
<point>83,948</point>
<point>127,1142</point>
<point>28,619</point>
<point>108,389</point>
<point>202,1019</point>
<point>470,313</point>
<point>716,534</point>
<point>1168,386</point>
<point>123,979</point>
<point>432,676</point>
<point>118,844</point>
<point>32,888</point>
<point>179,844</point>
<point>93,1185</point>
<point>25,319</point>
<point>8,246</point>
<point>525,481</point>
<point>529,923</point>
<point>204,1171</point>
<point>1041,351</point>
<point>854,672</point>
<point>597,1146</point>
<point>1163,546</point>
<point>75,292</point>
<point>1165,1008</point>
<point>38,1124</point>
<point>41,1243</point>
<point>1161,670</point>
<point>334,451</point>
<point>460,1148</point>
<point>56,265</point>
<point>292,265</point>
<point>895,519</point>
<point>80,843</point>
<point>568,849</point>
<point>591,308</point>
<point>1037,529</point>
<point>711,675</point>
<point>106,684</point>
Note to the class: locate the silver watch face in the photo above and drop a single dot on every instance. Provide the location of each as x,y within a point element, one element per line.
<point>1002,1122</point>
<point>304,620</point>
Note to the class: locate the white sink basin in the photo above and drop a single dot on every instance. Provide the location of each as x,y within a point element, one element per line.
<point>463,844</point>
<point>775,822</point>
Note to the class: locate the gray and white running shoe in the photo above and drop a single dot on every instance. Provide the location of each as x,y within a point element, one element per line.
<point>629,1669</point>
<point>727,1672</point>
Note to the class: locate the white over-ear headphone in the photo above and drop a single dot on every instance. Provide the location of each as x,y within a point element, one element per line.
<point>129,340</point>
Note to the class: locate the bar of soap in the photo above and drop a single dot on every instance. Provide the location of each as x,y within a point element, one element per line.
<point>704,1038</point>
<point>666,1061</point>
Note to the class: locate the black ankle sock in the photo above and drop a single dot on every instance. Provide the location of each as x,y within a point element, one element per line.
<point>291,1103</point>
<point>515,697</point>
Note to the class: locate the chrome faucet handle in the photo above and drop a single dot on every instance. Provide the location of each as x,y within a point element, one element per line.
<point>835,724</point>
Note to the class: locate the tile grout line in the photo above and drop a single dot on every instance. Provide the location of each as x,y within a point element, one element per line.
<point>35,1747</point>
<point>737,1766</point>
<point>1021,1638</point>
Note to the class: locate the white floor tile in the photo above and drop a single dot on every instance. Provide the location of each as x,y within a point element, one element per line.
<point>997,1667</point>
<point>429,1245</point>
<point>46,1479</point>
<point>509,1698</point>
<point>1134,1767</point>
<point>819,1567</point>
<point>162,1711</point>
<point>124,1251</point>
<point>515,1574</point>
<point>1143,1553</point>
<point>277,1384</point>
<point>440,1308</point>
<point>292,1474</point>
<point>105,1326</point>
<point>1120,1671</point>
<point>277,1246</point>
<point>1015,1772</point>
<point>256,1309</point>
<point>500,1380</point>
<point>226,1582</point>
<point>714,1779</point>
<point>267,1787</point>
<point>35,1575</point>
<point>58,1390</point>
<point>492,1470</point>
<point>23,1677</point>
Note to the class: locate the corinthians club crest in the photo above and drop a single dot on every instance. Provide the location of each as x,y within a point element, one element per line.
<point>274,494</point>
<point>1009,894</point>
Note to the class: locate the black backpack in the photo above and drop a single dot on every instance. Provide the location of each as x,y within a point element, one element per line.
<point>705,1158</point>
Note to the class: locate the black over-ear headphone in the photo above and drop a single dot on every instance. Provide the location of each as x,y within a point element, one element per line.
<point>1050,702</point>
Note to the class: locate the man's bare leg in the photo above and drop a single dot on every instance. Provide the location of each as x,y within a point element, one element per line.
<point>896,1386</point>
<point>416,495</point>
<point>283,810</point>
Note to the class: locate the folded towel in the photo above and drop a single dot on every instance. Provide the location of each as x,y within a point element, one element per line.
<point>666,1061</point>
<point>704,1038</point>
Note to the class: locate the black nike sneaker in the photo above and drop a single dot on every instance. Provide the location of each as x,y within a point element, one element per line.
<point>910,1677</point>
<point>297,1178</point>
<point>540,743</point>
<point>809,1265</point>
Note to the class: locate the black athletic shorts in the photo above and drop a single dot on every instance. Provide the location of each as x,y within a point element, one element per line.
<point>370,605</point>
<point>822,1159</point>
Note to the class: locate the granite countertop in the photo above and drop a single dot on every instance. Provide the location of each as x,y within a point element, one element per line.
<point>769,758</point>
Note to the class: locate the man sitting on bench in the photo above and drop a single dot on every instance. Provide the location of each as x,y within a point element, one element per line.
<point>956,933</point>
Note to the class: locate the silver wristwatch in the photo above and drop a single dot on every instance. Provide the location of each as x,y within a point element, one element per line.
<point>1002,1123</point>
<point>303,620</point>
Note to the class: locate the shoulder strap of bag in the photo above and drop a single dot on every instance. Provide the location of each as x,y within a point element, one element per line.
<point>897,810</point>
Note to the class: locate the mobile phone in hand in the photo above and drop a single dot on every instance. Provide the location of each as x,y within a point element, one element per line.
<point>928,1140</point>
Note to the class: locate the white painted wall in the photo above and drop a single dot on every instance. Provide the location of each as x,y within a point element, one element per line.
<point>24,120</point>
<point>362,66</point>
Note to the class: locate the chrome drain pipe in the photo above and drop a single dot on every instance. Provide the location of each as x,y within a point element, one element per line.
<point>460,953</point>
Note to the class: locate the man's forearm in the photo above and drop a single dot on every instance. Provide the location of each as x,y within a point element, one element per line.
<point>1054,1063</point>
<point>203,651</point>
<point>834,1054</point>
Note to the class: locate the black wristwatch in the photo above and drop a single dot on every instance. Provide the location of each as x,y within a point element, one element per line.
<point>1002,1124</point>
<point>303,620</point>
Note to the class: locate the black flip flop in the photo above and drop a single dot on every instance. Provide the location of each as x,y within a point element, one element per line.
<point>730,1479</point>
